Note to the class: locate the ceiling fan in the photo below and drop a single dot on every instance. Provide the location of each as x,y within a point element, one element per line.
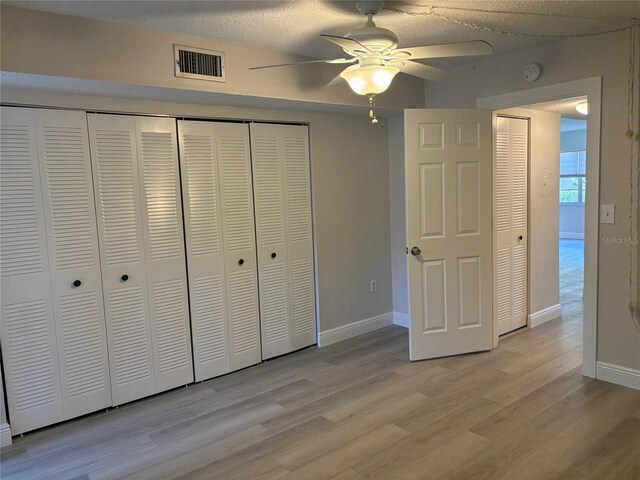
<point>376,59</point>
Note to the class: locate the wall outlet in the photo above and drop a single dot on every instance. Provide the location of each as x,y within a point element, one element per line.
<point>373,285</point>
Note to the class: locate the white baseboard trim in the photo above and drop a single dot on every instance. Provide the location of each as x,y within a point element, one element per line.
<point>544,315</point>
<point>354,329</point>
<point>571,236</point>
<point>401,319</point>
<point>627,377</point>
<point>5,435</point>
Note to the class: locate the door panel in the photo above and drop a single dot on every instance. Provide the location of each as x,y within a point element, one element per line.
<point>234,162</point>
<point>268,184</point>
<point>280,156</point>
<point>510,207</point>
<point>118,205</point>
<point>67,186</point>
<point>448,175</point>
<point>157,154</point>
<point>432,200</point>
<point>28,334</point>
<point>203,225</point>
<point>299,235</point>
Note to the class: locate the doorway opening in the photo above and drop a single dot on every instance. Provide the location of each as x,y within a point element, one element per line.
<point>552,184</point>
<point>572,193</point>
<point>555,190</point>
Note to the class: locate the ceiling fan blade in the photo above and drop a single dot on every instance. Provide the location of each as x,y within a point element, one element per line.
<point>334,60</point>
<point>348,44</point>
<point>337,80</point>
<point>423,71</point>
<point>461,49</point>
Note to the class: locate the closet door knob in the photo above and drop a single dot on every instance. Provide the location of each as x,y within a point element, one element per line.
<point>520,237</point>
<point>124,277</point>
<point>77,283</point>
<point>415,251</point>
<point>273,255</point>
<point>241,261</point>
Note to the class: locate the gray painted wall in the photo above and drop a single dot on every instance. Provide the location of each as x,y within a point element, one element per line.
<point>398,216</point>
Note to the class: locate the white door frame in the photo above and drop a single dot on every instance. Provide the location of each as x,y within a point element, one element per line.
<point>592,88</point>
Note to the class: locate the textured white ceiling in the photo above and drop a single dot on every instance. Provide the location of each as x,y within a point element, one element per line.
<point>293,26</point>
<point>566,107</point>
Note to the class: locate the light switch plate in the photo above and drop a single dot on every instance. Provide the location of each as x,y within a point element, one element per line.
<point>607,214</point>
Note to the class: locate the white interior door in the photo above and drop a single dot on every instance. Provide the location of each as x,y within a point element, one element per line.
<point>448,188</point>
<point>510,211</point>
<point>74,262</point>
<point>27,330</point>
<point>205,251</point>
<point>164,250</point>
<point>297,177</point>
<point>120,232</point>
<point>238,228</point>
<point>282,189</point>
<point>267,157</point>
<point>221,248</point>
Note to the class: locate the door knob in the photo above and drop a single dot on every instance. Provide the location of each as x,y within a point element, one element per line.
<point>415,251</point>
<point>124,277</point>
<point>241,261</point>
<point>520,237</point>
<point>273,255</point>
<point>77,283</point>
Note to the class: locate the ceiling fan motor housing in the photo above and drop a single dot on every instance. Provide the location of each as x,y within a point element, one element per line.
<point>375,38</point>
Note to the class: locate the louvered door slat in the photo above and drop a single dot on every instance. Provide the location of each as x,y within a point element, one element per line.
<point>503,181</point>
<point>67,185</point>
<point>29,347</point>
<point>165,260</point>
<point>268,186</point>
<point>299,236</point>
<point>510,209</point>
<point>203,233</point>
<point>234,166</point>
<point>519,164</point>
<point>119,214</point>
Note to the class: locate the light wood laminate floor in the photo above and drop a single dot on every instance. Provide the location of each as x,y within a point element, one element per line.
<point>358,409</point>
<point>571,276</point>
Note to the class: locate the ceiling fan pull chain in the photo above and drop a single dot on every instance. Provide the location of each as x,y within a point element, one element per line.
<point>372,109</point>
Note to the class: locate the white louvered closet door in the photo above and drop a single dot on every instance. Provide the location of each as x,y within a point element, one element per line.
<point>165,260</point>
<point>120,229</point>
<point>267,157</point>
<point>234,166</point>
<point>29,351</point>
<point>205,253</point>
<point>65,171</point>
<point>299,235</point>
<point>511,190</point>
<point>280,155</point>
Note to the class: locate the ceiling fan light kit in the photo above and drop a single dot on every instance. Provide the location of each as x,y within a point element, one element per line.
<point>379,60</point>
<point>369,79</point>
